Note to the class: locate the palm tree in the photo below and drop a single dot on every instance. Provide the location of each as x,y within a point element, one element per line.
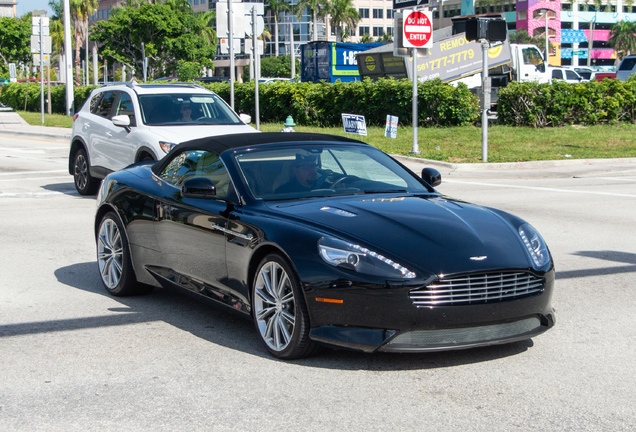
<point>205,22</point>
<point>80,11</point>
<point>317,8</point>
<point>623,39</point>
<point>275,7</point>
<point>343,14</point>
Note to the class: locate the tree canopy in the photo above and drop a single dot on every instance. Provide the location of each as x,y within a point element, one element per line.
<point>15,41</point>
<point>170,32</point>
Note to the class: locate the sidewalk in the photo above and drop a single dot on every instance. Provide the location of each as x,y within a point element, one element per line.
<point>12,124</point>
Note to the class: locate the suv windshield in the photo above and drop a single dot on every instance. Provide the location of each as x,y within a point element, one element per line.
<point>186,108</point>
<point>323,170</point>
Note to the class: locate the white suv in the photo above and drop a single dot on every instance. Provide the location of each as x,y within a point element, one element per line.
<point>123,123</point>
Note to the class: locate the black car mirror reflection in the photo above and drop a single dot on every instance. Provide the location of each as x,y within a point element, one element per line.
<point>432,176</point>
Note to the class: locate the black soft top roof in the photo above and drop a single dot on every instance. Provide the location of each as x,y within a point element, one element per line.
<point>219,144</point>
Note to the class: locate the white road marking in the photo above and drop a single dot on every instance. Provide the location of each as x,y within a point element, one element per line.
<point>626,179</point>
<point>35,194</point>
<point>541,189</point>
<point>32,172</point>
<point>67,177</point>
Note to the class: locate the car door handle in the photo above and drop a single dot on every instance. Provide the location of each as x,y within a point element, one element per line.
<point>109,134</point>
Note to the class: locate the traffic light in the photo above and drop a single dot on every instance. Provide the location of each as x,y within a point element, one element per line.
<point>491,29</point>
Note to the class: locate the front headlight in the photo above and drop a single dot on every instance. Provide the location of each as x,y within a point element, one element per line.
<point>166,146</point>
<point>354,257</point>
<point>535,245</point>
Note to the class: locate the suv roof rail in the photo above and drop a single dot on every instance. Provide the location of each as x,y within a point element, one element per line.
<point>126,83</point>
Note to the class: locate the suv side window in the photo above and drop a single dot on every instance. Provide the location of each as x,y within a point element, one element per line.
<point>95,102</point>
<point>106,104</point>
<point>125,107</point>
<point>557,74</point>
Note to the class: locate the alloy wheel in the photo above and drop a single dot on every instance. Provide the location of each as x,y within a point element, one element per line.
<point>274,306</point>
<point>110,253</point>
<point>81,171</point>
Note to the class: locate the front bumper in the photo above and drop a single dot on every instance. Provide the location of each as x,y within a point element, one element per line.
<point>378,318</point>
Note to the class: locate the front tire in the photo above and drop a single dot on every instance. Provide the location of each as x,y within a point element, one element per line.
<point>84,182</point>
<point>279,310</point>
<point>113,259</point>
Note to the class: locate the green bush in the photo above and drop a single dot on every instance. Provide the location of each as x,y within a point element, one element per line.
<point>560,103</point>
<point>323,104</point>
<point>26,96</point>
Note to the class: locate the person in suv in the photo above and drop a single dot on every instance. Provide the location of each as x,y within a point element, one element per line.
<point>122,123</point>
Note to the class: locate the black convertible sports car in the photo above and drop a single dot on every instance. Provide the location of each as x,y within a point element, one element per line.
<point>324,240</point>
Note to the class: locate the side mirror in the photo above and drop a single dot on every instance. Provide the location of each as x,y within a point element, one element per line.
<point>432,176</point>
<point>198,187</point>
<point>122,121</point>
<point>245,118</point>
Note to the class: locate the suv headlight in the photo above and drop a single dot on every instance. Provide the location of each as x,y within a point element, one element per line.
<point>535,245</point>
<point>166,146</point>
<point>357,258</point>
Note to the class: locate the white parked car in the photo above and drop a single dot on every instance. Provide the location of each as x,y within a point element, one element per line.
<point>123,123</point>
<point>565,74</point>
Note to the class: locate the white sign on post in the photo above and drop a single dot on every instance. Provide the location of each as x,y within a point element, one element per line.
<point>391,126</point>
<point>354,124</point>
<point>418,29</point>
<point>46,60</point>
<point>46,44</point>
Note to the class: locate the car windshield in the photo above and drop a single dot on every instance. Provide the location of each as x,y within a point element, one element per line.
<point>184,108</point>
<point>303,171</point>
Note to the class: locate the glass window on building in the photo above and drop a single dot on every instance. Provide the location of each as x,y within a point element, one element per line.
<point>378,31</point>
<point>363,30</point>
<point>364,13</point>
<point>389,13</point>
<point>378,13</point>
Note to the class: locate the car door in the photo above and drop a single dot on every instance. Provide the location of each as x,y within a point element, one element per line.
<point>98,128</point>
<point>572,77</point>
<point>191,231</point>
<point>119,149</point>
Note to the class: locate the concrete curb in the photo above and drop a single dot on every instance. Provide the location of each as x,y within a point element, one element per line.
<point>512,166</point>
<point>36,134</point>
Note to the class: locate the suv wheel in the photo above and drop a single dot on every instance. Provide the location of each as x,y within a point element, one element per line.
<point>84,182</point>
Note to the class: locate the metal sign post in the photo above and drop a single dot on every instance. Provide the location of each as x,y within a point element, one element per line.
<point>257,64</point>
<point>417,32</point>
<point>485,88</point>
<point>230,25</point>
<point>67,56</point>
<point>40,45</point>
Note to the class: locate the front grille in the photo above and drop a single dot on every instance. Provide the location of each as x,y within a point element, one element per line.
<point>477,288</point>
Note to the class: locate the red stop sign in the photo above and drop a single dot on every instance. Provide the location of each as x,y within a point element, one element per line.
<point>418,29</point>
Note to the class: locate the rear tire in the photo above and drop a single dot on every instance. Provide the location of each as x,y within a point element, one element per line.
<point>113,259</point>
<point>279,310</point>
<point>84,182</point>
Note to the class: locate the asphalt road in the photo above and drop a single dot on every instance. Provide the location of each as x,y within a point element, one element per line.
<point>74,358</point>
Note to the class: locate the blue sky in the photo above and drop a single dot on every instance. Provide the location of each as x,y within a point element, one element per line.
<point>25,6</point>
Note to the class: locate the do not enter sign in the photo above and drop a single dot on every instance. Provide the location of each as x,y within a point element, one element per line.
<point>418,30</point>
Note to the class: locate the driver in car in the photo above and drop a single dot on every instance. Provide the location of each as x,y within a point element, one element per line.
<point>303,177</point>
<point>186,111</point>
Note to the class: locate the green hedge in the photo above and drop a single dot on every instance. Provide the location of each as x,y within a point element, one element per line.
<point>561,103</point>
<point>308,103</point>
<point>26,96</point>
<point>528,104</point>
<point>322,104</point>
